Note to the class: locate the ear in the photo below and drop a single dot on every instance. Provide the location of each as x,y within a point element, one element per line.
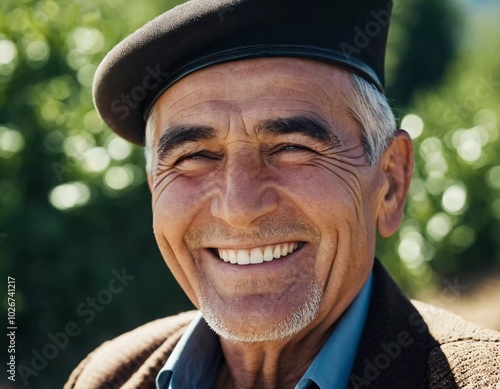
<point>397,167</point>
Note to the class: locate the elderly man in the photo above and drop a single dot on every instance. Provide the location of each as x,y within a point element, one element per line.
<point>273,158</point>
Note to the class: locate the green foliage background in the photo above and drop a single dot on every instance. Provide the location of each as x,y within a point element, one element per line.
<point>66,222</point>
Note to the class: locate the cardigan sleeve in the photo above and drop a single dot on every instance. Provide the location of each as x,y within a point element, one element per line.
<point>467,355</point>
<point>133,359</point>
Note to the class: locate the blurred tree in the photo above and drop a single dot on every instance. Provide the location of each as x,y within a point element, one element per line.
<point>452,219</point>
<point>75,210</point>
<point>423,41</point>
<point>74,207</point>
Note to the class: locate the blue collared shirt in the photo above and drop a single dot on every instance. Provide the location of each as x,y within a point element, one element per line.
<point>195,360</point>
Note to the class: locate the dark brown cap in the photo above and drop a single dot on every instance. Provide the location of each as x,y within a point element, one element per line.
<point>200,33</point>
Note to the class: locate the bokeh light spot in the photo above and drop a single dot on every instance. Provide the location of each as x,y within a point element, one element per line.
<point>454,199</point>
<point>51,111</point>
<point>8,52</point>
<point>85,74</point>
<point>77,145</point>
<point>439,226</point>
<point>69,195</point>
<point>119,149</point>
<point>410,248</point>
<point>493,177</point>
<point>431,150</point>
<point>118,177</point>
<point>462,236</point>
<point>96,160</point>
<point>413,124</point>
<point>87,40</point>
<point>469,143</point>
<point>11,141</point>
<point>38,51</point>
<point>59,88</point>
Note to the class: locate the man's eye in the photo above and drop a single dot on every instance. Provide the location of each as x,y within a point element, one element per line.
<point>189,157</point>
<point>195,157</point>
<point>292,148</point>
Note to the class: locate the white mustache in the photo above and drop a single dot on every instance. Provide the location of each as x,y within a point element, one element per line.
<point>275,229</point>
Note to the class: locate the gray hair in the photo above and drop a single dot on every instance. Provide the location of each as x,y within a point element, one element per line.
<point>371,110</point>
<point>148,138</point>
<point>366,105</point>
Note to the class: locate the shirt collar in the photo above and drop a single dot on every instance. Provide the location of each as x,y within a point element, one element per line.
<point>195,360</point>
<point>333,364</point>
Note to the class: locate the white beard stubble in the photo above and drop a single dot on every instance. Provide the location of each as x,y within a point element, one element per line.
<point>297,321</point>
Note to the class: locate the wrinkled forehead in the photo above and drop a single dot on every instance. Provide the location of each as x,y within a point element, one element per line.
<point>279,84</point>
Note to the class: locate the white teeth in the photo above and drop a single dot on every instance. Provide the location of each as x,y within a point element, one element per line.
<point>257,255</point>
<point>243,258</point>
<point>224,255</point>
<point>268,254</point>
<point>232,257</point>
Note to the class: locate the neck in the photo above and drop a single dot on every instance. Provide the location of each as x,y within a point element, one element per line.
<point>271,365</point>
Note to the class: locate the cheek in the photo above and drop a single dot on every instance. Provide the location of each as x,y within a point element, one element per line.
<point>338,200</point>
<point>176,205</point>
<point>325,191</point>
<point>177,202</point>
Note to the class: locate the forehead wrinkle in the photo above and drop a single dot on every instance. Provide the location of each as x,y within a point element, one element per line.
<point>257,95</point>
<point>185,100</point>
<point>201,108</point>
<point>213,77</point>
<point>317,86</point>
<point>333,94</point>
<point>210,122</point>
<point>202,103</point>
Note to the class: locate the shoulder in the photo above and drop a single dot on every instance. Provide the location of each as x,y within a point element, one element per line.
<point>132,359</point>
<point>471,353</point>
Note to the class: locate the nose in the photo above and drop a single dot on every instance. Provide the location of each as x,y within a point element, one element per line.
<point>246,193</point>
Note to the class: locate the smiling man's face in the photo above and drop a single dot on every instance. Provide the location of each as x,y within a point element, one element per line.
<point>264,203</point>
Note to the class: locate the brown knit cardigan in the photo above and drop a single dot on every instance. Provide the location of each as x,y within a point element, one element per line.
<point>404,345</point>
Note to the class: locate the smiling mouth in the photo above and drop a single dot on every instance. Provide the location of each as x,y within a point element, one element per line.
<point>258,254</point>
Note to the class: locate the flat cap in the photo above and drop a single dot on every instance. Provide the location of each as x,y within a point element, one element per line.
<point>200,33</point>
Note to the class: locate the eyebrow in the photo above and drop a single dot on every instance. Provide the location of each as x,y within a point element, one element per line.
<point>177,136</point>
<point>297,125</point>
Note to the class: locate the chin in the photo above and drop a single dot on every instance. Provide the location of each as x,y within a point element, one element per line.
<point>279,329</point>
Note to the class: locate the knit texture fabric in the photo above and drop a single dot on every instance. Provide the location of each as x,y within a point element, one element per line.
<point>404,345</point>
